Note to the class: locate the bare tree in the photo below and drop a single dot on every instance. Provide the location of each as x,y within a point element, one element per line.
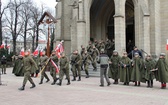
<point>26,15</point>
<point>2,10</point>
<point>13,20</point>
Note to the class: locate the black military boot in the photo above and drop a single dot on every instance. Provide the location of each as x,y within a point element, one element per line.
<point>33,86</point>
<point>22,88</point>
<point>139,83</point>
<point>60,83</point>
<point>41,82</point>
<point>135,84</point>
<point>116,81</point>
<point>68,82</point>
<point>2,71</point>
<point>148,84</point>
<point>74,78</point>
<point>108,84</point>
<point>79,78</point>
<point>53,82</point>
<point>151,84</point>
<point>48,80</point>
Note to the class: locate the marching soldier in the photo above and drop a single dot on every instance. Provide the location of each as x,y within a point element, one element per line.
<point>64,69</point>
<point>52,68</point>
<point>86,58</point>
<point>94,55</point>
<point>75,64</point>
<point>161,72</point>
<point>43,60</point>
<point>89,47</point>
<point>114,66</point>
<point>3,64</point>
<point>137,69</point>
<point>96,43</point>
<point>125,69</point>
<point>149,75</point>
<point>82,54</point>
<point>27,64</point>
<point>101,45</point>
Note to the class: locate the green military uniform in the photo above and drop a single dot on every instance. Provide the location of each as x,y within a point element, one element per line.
<point>43,60</point>
<point>52,68</point>
<point>82,54</point>
<point>34,70</point>
<point>101,46</point>
<point>94,55</point>
<point>27,65</point>
<point>89,48</point>
<point>86,59</point>
<point>162,73</point>
<point>96,44</point>
<point>18,67</point>
<point>64,69</point>
<point>114,68</point>
<point>108,48</point>
<point>149,75</point>
<point>37,60</point>
<point>75,64</point>
<point>137,70</point>
<point>125,70</point>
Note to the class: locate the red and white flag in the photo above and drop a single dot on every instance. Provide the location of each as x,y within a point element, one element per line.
<point>56,67</point>
<point>41,52</point>
<point>2,45</point>
<point>22,52</point>
<point>36,52</point>
<point>59,49</point>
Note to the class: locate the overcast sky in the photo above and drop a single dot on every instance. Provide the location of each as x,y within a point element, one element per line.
<point>48,3</point>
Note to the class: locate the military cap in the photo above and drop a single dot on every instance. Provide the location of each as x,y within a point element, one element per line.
<point>115,51</point>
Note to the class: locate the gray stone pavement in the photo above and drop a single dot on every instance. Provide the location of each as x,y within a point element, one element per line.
<point>86,92</point>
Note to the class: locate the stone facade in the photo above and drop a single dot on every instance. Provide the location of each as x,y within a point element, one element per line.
<point>80,20</point>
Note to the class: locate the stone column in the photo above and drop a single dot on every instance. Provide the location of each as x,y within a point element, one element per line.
<point>81,31</point>
<point>146,32</point>
<point>119,19</point>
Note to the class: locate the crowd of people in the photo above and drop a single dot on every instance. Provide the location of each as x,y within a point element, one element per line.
<point>129,67</point>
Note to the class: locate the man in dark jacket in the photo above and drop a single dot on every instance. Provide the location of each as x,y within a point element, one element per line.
<point>3,64</point>
<point>132,53</point>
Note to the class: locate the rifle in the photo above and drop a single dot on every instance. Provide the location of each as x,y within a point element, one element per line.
<point>46,63</point>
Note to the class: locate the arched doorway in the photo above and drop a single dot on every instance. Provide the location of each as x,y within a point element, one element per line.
<point>130,26</point>
<point>101,12</point>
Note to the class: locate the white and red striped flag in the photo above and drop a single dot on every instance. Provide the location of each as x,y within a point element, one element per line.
<point>167,45</point>
<point>59,49</point>
<point>56,67</point>
<point>22,52</point>
<point>36,52</point>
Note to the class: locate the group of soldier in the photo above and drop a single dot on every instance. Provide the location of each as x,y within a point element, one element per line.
<point>112,65</point>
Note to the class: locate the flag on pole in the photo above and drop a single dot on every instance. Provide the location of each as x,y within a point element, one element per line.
<point>36,52</point>
<point>8,47</point>
<point>41,52</point>
<point>56,67</point>
<point>22,52</point>
<point>59,49</point>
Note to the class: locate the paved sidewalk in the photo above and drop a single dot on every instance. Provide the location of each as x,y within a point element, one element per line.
<point>86,92</point>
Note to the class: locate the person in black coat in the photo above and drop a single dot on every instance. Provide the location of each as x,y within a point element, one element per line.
<point>3,64</point>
